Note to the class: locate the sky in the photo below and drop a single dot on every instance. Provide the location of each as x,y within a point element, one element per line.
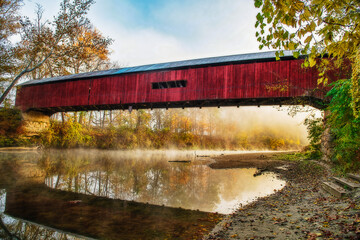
<point>154,31</point>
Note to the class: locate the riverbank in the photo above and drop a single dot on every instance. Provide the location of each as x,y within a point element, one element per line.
<point>301,210</point>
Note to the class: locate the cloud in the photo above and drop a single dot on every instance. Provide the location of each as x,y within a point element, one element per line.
<point>145,46</point>
<point>176,30</point>
<point>155,31</point>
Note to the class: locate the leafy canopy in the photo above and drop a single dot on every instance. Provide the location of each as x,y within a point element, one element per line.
<point>322,28</point>
<point>310,26</point>
<point>315,28</point>
<point>9,26</point>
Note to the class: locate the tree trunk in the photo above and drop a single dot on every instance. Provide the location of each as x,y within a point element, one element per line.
<point>110,118</point>
<point>103,120</point>
<point>62,117</point>
<point>4,95</point>
<point>75,117</point>
<point>327,138</point>
<point>90,118</point>
<point>81,117</point>
<point>57,181</point>
<point>138,119</point>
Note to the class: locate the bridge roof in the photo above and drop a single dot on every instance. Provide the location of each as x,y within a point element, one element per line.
<point>202,62</point>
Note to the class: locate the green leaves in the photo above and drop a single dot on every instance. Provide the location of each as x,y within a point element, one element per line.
<point>260,18</point>
<point>258,3</point>
<point>296,54</point>
<point>321,28</point>
<point>296,23</point>
<point>345,124</point>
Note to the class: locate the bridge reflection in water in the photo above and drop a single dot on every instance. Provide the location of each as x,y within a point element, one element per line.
<point>99,217</point>
<point>104,195</point>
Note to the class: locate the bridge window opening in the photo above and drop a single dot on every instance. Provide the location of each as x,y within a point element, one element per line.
<point>169,84</point>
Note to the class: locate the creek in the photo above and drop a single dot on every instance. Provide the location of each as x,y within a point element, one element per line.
<point>103,194</point>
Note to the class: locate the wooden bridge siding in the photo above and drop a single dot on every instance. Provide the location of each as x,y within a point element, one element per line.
<point>25,97</point>
<point>295,73</point>
<point>214,82</point>
<point>304,77</point>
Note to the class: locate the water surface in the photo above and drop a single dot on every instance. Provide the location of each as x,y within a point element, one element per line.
<point>123,194</point>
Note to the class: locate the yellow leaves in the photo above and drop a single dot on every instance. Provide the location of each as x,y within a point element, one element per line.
<point>91,45</point>
<point>312,61</point>
<point>322,80</point>
<point>291,46</point>
<point>306,15</point>
<point>281,86</point>
<point>308,39</point>
<point>312,26</point>
<point>337,33</point>
<point>355,86</point>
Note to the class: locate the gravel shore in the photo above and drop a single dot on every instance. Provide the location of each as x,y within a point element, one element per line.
<point>301,210</point>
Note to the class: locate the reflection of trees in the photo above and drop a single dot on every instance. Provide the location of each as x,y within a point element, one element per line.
<point>24,230</point>
<point>141,177</point>
<point>152,180</point>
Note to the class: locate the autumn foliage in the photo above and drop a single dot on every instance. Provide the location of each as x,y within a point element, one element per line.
<point>183,129</point>
<point>328,33</point>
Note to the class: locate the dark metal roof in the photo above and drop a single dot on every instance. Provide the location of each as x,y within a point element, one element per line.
<point>249,57</point>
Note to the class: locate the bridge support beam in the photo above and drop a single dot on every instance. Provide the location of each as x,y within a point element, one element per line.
<point>35,122</point>
<point>327,140</point>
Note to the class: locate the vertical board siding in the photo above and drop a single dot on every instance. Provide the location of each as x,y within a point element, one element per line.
<point>200,84</point>
<point>233,81</point>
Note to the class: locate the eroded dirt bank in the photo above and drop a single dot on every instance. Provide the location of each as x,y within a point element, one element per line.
<point>301,210</point>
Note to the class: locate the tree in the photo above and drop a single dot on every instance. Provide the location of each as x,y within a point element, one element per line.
<point>316,28</point>
<point>345,126</point>
<point>41,40</point>
<point>9,26</point>
<point>321,28</point>
<point>86,50</point>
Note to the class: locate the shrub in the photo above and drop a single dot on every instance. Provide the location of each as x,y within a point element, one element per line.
<point>66,135</point>
<point>345,125</point>
<point>315,128</point>
<point>10,121</point>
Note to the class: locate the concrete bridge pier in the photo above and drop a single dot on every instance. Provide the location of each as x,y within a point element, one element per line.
<point>35,122</point>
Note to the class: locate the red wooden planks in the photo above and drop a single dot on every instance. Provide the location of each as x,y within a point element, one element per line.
<point>233,81</point>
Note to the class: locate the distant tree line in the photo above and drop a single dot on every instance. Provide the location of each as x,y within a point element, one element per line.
<point>209,128</point>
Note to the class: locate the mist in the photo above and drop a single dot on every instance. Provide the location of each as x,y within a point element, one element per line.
<point>225,128</point>
<point>265,120</point>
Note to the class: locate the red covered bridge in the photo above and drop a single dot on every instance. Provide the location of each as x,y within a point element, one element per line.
<point>238,80</point>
